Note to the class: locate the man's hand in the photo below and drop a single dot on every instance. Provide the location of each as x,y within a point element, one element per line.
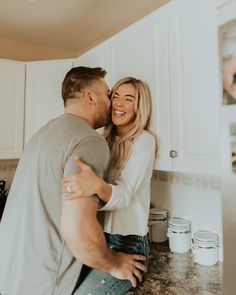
<point>128,267</point>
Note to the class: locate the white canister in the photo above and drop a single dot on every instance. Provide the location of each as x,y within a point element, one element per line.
<point>179,233</point>
<point>158,224</point>
<point>205,248</point>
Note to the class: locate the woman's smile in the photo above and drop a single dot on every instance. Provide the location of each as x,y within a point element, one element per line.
<point>119,113</point>
<point>123,102</point>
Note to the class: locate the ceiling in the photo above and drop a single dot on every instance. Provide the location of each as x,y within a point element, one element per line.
<point>74,25</point>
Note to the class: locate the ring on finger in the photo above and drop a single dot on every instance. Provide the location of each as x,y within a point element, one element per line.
<point>69,189</point>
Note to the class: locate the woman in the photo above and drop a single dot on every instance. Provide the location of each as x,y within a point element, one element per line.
<point>126,192</point>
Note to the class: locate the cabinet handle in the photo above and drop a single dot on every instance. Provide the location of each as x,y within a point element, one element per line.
<point>173,154</point>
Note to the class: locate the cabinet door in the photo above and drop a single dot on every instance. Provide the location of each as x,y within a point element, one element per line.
<point>96,57</point>
<point>194,85</point>
<point>142,51</point>
<point>43,93</point>
<point>12,84</point>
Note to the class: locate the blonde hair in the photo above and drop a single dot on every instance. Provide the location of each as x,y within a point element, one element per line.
<point>120,151</point>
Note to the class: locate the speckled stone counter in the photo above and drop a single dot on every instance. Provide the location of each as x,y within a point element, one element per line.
<point>177,274</point>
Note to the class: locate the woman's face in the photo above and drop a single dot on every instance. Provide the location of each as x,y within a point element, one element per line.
<point>123,101</point>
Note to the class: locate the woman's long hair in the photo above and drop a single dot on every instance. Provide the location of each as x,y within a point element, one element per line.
<point>120,151</point>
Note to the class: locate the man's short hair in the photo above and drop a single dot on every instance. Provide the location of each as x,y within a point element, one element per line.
<point>77,79</point>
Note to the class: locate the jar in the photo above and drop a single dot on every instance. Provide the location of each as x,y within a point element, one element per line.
<point>158,225</point>
<point>179,233</point>
<point>205,248</point>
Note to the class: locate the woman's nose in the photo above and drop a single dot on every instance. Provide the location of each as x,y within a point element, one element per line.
<point>119,102</point>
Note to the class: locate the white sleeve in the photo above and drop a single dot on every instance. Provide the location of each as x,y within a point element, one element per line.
<point>137,170</point>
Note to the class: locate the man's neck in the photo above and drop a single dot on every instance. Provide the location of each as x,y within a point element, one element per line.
<point>79,113</point>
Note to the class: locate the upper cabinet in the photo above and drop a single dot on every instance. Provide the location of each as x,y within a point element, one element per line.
<point>12,82</point>
<point>175,50</point>
<point>43,93</point>
<point>141,51</point>
<point>194,86</point>
<point>96,57</point>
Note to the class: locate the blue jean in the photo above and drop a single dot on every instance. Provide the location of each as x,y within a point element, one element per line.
<point>102,283</point>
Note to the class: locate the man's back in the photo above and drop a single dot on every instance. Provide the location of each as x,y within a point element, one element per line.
<point>33,257</point>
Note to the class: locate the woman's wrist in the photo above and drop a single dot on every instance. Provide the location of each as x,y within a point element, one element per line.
<point>104,191</point>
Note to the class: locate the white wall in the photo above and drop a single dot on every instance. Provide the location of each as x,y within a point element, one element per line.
<point>194,197</point>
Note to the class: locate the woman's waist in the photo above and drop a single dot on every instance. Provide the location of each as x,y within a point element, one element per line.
<point>129,243</point>
<point>132,223</point>
<point>125,238</point>
<point>134,229</point>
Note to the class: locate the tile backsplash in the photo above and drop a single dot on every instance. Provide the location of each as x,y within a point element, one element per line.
<point>194,197</point>
<point>7,170</point>
<point>206,182</point>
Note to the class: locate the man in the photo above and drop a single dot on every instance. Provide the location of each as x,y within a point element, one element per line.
<point>35,259</point>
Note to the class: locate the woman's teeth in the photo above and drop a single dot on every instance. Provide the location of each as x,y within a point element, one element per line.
<point>119,113</point>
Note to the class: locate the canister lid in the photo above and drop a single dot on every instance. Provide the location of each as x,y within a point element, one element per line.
<point>158,211</point>
<point>205,236</point>
<point>179,224</point>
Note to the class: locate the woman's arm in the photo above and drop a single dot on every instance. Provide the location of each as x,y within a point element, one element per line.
<point>136,173</point>
<point>139,165</point>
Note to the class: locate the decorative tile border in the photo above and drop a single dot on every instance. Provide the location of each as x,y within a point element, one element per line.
<point>206,182</point>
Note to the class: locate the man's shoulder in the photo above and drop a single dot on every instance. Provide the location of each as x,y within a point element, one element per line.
<point>94,150</point>
<point>78,129</point>
<point>95,139</point>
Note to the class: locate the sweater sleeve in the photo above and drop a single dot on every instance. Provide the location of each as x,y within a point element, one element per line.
<point>138,170</point>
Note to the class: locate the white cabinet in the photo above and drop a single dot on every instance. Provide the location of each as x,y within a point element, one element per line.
<point>12,82</point>
<point>175,50</point>
<point>141,51</point>
<point>193,60</point>
<point>97,57</point>
<point>43,93</point>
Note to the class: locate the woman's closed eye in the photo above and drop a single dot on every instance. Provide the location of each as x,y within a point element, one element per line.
<point>129,99</point>
<point>115,97</point>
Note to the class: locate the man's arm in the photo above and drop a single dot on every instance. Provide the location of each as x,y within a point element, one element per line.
<point>85,238</point>
<point>79,225</point>
<point>83,233</point>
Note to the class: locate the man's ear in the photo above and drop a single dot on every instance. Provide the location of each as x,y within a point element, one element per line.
<point>89,97</point>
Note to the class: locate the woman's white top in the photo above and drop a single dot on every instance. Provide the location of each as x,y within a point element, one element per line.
<point>127,210</point>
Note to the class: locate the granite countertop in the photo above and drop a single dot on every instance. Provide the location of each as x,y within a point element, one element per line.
<point>177,274</point>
